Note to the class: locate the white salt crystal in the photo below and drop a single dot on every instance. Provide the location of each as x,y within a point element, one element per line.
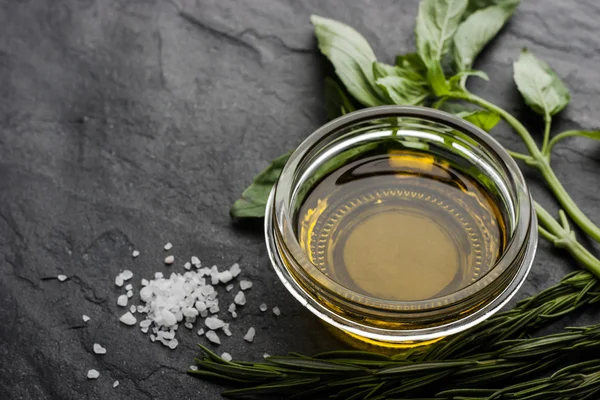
<point>249,337</point>
<point>193,368</point>
<point>235,269</point>
<point>99,349</point>
<point>212,337</point>
<point>231,307</point>
<point>214,323</point>
<point>214,278</point>
<point>115,384</point>
<point>168,246</point>
<point>145,323</point>
<point>144,330</point>
<point>132,309</point>
<point>146,294</point>
<point>226,330</point>
<point>128,319</point>
<point>233,314</point>
<point>86,318</point>
<point>204,313</point>
<point>229,287</point>
<point>190,312</point>
<point>169,260</point>
<point>226,356</point>
<point>135,253</point>
<point>122,300</point>
<point>129,286</point>
<point>200,306</point>
<point>266,355</point>
<point>93,374</point>
<point>187,265</point>
<point>196,261</point>
<point>129,293</point>
<point>127,275</point>
<point>214,269</point>
<point>240,298</point>
<point>140,309</point>
<point>214,309</point>
<point>245,285</point>
<point>62,278</point>
<point>145,282</point>
<point>225,276</point>
<point>200,332</point>
<point>158,275</point>
<point>152,337</point>
<point>119,280</point>
<point>206,290</point>
<point>168,318</point>
<point>173,343</point>
<point>263,307</point>
<point>276,311</point>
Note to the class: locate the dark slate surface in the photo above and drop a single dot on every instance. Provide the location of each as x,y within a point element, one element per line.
<point>126,124</point>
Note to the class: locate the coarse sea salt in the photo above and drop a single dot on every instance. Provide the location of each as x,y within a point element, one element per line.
<point>128,319</point>
<point>184,298</point>
<point>62,278</point>
<point>212,337</point>
<point>249,336</point>
<point>99,349</point>
<point>263,307</point>
<point>93,374</point>
<point>135,253</point>
<point>235,269</point>
<point>276,311</point>
<point>240,298</point>
<point>115,384</point>
<point>244,285</point>
<point>122,300</point>
<point>226,356</point>
<point>168,246</point>
<point>86,318</point>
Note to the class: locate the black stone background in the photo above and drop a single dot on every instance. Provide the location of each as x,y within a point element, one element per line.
<point>124,125</point>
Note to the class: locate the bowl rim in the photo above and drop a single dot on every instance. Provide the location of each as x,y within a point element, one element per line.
<point>278,222</point>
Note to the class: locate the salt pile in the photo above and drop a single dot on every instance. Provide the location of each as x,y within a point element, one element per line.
<point>181,298</point>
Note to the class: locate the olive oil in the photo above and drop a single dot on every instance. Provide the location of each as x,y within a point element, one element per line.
<point>402,226</point>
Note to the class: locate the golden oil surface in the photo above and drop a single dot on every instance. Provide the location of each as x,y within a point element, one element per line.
<point>401,226</point>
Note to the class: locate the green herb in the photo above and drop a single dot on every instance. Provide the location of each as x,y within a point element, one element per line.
<point>345,374</point>
<point>254,199</point>
<point>437,23</point>
<point>477,31</point>
<point>351,56</point>
<point>474,364</point>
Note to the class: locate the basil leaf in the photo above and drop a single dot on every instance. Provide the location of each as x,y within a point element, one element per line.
<point>351,56</point>
<point>483,119</point>
<point>541,88</point>
<point>475,5</point>
<point>402,86</point>
<point>476,32</point>
<point>253,201</point>
<point>437,23</point>
<point>437,80</point>
<point>337,102</point>
<point>412,62</point>
<point>595,135</point>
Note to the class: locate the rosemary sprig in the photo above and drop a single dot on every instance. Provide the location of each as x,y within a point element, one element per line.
<point>349,374</point>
